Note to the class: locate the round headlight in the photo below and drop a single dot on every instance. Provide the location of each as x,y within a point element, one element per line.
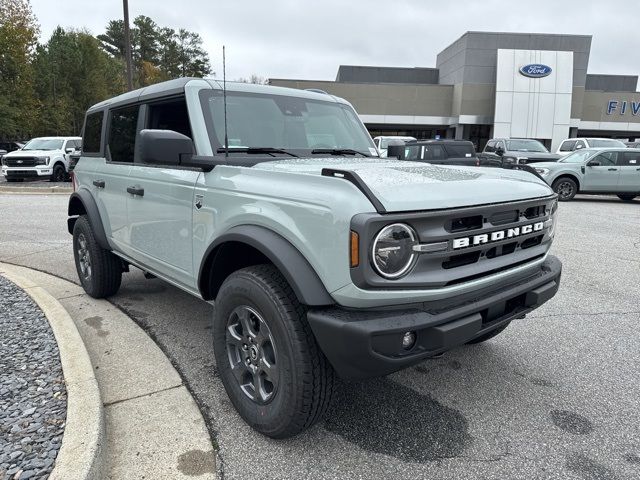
<point>393,254</point>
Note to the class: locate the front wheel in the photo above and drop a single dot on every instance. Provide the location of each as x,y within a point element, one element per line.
<point>566,188</point>
<point>99,270</point>
<point>59,174</point>
<point>275,374</point>
<point>627,197</point>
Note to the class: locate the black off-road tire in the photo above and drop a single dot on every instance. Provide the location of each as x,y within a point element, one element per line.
<point>489,335</point>
<point>566,188</point>
<point>105,273</point>
<point>59,174</point>
<point>627,197</point>
<point>306,382</point>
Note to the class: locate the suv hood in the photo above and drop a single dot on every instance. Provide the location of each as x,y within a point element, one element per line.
<point>411,186</point>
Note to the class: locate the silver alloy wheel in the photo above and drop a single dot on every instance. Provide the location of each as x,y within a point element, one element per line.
<point>84,259</point>
<point>565,189</point>
<point>252,354</point>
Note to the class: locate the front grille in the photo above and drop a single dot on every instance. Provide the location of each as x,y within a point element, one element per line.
<point>19,161</point>
<point>488,239</point>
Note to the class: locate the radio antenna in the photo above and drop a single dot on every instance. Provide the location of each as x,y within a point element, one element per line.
<point>224,95</point>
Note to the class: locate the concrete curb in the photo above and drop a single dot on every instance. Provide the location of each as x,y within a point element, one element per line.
<point>81,452</point>
<point>37,190</point>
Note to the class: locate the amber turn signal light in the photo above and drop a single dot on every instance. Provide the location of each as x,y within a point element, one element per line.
<point>355,250</point>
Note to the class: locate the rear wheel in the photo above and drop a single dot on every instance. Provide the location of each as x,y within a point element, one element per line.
<point>488,335</point>
<point>566,188</point>
<point>627,197</point>
<point>99,270</point>
<point>59,174</point>
<point>275,374</point>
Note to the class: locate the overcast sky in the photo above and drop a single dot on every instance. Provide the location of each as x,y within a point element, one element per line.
<point>309,39</point>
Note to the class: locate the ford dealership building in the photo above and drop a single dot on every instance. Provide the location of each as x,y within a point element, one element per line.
<point>489,85</point>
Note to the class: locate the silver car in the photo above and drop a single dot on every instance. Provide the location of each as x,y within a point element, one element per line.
<point>595,171</point>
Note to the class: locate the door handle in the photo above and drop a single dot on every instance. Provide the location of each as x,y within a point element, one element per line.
<point>98,183</point>
<point>136,190</point>
<point>638,169</point>
<point>612,169</point>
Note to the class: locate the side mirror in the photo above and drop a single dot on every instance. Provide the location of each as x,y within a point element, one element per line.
<point>69,150</point>
<point>2,152</point>
<point>499,151</point>
<point>164,147</point>
<point>578,147</point>
<point>594,163</point>
<point>396,151</point>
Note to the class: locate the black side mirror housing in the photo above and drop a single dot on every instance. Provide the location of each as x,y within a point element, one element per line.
<point>164,147</point>
<point>396,151</point>
<point>594,163</point>
<point>499,151</point>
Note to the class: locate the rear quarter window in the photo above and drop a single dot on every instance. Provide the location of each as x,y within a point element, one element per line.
<point>92,133</point>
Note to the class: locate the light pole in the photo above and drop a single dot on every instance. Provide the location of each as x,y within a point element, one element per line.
<point>127,44</point>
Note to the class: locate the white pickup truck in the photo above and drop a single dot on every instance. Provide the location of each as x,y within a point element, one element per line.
<point>41,157</point>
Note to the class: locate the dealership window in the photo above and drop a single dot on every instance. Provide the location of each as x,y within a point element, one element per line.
<point>123,125</point>
<point>92,133</point>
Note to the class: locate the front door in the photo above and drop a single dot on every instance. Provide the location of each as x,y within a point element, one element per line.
<point>161,203</point>
<point>601,173</point>
<point>629,163</point>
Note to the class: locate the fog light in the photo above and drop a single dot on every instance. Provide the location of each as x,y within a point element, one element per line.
<point>408,340</point>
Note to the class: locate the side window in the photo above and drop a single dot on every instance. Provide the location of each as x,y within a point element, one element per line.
<point>170,115</point>
<point>629,158</point>
<point>70,144</point>
<point>436,152</point>
<point>580,144</point>
<point>123,124</point>
<point>377,142</point>
<point>500,145</point>
<point>490,147</point>
<point>92,133</point>
<point>606,159</point>
<point>567,146</point>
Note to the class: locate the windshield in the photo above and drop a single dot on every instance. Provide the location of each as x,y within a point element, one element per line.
<point>579,156</point>
<point>526,146</point>
<point>297,125</point>
<point>43,144</point>
<point>606,144</point>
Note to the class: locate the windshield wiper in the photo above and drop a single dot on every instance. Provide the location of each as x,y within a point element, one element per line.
<point>256,150</point>
<point>338,151</point>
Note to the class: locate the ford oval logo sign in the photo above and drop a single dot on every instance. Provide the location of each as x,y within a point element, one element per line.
<point>535,70</point>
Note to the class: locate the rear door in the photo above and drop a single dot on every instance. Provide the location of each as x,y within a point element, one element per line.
<point>161,208</point>
<point>604,176</point>
<point>629,179</point>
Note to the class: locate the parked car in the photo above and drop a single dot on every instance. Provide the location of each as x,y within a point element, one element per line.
<point>595,171</point>
<point>572,144</point>
<point>632,144</point>
<point>46,157</point>
<point>437,152</point>
<point>322,258</point>
<point>382,143</point>
<point>504,152</point>
<point>11,146</point>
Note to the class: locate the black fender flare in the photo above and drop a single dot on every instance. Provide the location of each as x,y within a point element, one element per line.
<point>288,260</point>
<point>82,202</point>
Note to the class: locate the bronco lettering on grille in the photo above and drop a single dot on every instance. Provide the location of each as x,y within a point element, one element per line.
<point>497,236</point>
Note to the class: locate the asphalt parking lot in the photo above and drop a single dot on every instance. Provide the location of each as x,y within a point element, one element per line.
<point>555,396</point>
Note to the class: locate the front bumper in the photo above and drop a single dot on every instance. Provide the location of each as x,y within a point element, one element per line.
<point>368,343</point>
<point>26,172</point>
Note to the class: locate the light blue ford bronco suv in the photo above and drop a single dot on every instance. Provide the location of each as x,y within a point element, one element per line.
<point>323,259</point>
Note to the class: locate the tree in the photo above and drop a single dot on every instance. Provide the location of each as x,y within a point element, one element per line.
<point>18,35</point>
<point>72,73</point>
<point>159,53</point>
<point>256,79</point>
